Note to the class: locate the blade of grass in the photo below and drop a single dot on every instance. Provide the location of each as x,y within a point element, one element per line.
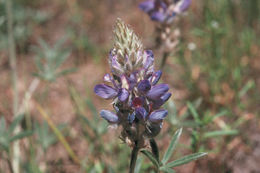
<point>58,134</point>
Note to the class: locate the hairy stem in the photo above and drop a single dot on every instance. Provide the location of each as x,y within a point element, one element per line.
<point>133,158</point>
<point>135,151</point>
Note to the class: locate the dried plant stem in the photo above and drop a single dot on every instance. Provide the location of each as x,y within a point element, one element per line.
<point>59,135</point>
<point>9,165</point>
<point>164,59</point>
<point>12,59</point>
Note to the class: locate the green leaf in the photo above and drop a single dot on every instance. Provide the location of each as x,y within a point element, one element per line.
<point>15,122</point>
<point>2,125</point>
<point>155,149</point>
<point>249,85</point>
<point>167,170</point>
<point>220,133</point>
<point>65,72</point>
<point>194,113</point>
<point>222,113</point>
<point>138,165</point>
<point>21,135</point>
<point>61,58</point>
<point>44,136</point>
<point>150,156</point>
<point>172,146</point>
<point>185,159</point>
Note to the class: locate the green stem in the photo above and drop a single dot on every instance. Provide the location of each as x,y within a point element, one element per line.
<point>12,58</point>
<point>133,158</point>
<point>135,151</point>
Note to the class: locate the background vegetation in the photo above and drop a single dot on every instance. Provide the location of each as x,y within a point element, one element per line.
<point>61,53</point>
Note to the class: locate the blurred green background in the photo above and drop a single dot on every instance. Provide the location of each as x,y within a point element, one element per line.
<point>62,49</point>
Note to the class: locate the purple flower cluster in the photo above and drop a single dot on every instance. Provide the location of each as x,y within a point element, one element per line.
<point>164,11</point>
<point>134,89</point>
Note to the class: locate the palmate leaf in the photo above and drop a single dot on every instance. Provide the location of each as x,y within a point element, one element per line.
<point>21,135</point>
<point>185,159</point>
<point>172,146</point>
<point>150,156</point>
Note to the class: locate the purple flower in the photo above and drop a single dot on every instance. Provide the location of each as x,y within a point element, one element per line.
<point>123,94</point>
<point>158,115</point>
<point>109,116</point>
<point>155,77</point>
<point>158,103</point>
<point>163,12</point>
<point>141,113</point>
<point>147,6</point>
<point>158,16</point>
<point>136,95</point>
<point>144,86</point>
<point>107,78</point>
<point>105,91</point>
<point>157,91</point>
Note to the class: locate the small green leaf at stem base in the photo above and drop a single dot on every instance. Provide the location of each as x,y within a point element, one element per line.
<point>185,159</point>
<point>150,156</point>
<point>172,146</point>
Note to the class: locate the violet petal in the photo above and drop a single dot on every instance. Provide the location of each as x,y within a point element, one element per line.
<point>144,86</point>
<point>132,81</point>
<point>109,116</point>
<point>140,113</point>
<point>158,115</point>
<point>158,16</point>
<point>123,94</point>
<point>156,77</point>
<point>157,91</point>
<point>147,6</point>
<point>105,91</point>
<point>158,103</point>
<point>107,78</point>
<point>149,59</point>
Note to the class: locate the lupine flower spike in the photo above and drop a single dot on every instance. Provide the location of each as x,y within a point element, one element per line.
<point>165,12</point>
<point>133,88</point>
